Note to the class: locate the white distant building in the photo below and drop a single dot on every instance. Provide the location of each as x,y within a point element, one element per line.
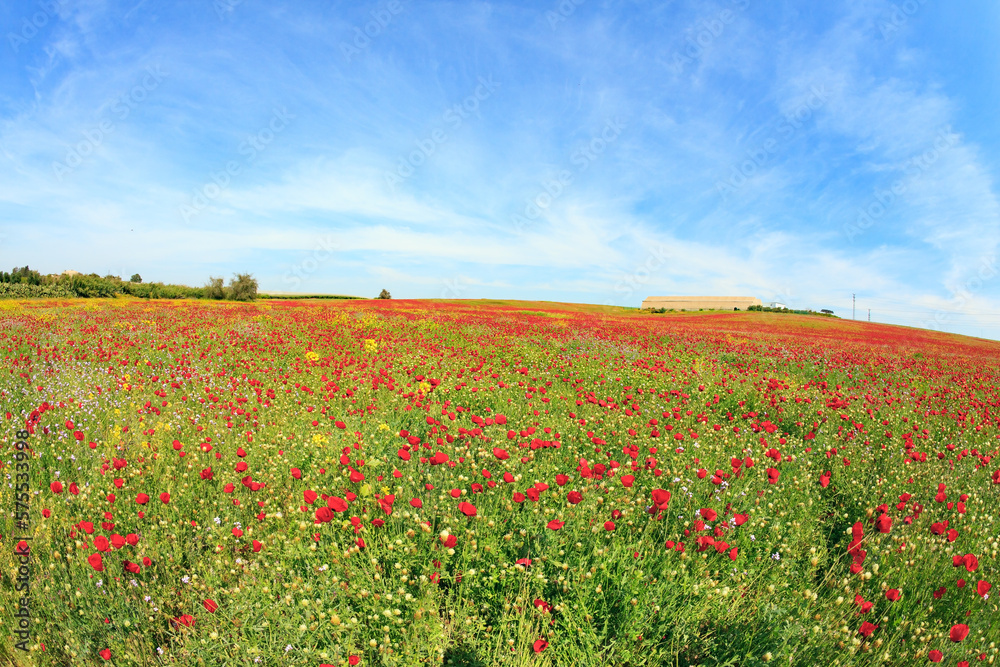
<point>775,304</point>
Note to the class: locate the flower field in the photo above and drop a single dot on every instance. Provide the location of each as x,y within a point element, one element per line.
<point>406,483</point>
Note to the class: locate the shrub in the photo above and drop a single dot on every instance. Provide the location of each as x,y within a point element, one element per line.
<point>384,294</point>
<point>26,291</point>
<point>93,286</point>
<point>243,287</point>
<point>214,289</point>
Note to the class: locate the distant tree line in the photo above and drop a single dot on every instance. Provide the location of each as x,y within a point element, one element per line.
<point>23,282</point>
<point>768,309</point>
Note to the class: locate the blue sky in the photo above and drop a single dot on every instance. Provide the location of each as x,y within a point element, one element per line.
<point>579,151</point>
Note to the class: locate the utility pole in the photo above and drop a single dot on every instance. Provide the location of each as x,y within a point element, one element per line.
<point>854,301</point>
<point>869,314</point>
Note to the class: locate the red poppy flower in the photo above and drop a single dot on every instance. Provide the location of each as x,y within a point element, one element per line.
<point>353,660</point>
<point>105,653</point>
<point>867,629</point>
<point>556,525</point>
<point>540,645</point>
<point>257,546</point>
<point>892,594</point>
<point>983,587</point>
<point>467,509</point>
<point>164,497</point>
<point>296,473</point>
<point>96,561</point>
<point>187,620</point>
<point>416,502</point>
<point>971,563</point>
<point>574,497</point>
<point>958,632</point>
<point>543,605</point>
<point>935,656</point>
<point>627,480</point>
<point>661,498</point>
<point>323,515</point>
<point>562,480</point>
<point>501,453</point>
<point>310,496</point>
<point>210,605</point>
<point>336,503</point>
<point>609,525</point>
<point>708,514</point>
<point>56,487</point>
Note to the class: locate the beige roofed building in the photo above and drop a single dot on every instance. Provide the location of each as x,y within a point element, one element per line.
<point>700,302</point>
